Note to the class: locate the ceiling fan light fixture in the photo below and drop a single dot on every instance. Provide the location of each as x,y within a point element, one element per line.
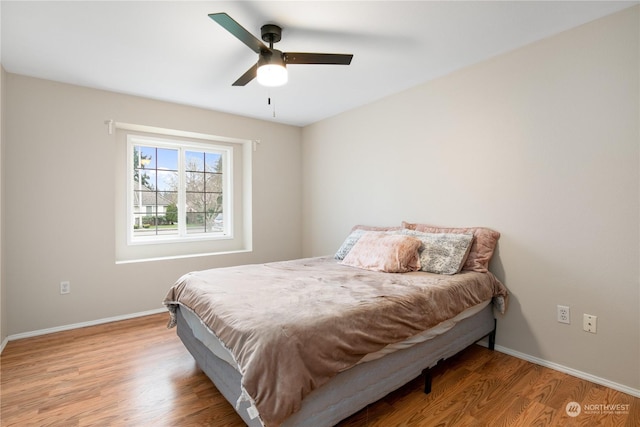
<point>272,75</point>
<point>272,70</point>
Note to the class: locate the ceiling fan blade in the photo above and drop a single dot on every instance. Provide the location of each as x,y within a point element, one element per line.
<point>229,24</point>
<point>249,75</point>
<point>317,58</point>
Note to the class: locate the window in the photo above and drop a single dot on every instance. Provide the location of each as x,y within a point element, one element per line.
<point>180,194</point>
<point>178,190</point>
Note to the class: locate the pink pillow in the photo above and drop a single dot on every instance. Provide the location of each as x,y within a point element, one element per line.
<point>390,253</point>
<point>375,228</point>
<point>482,248</point>
<point>354,235</point>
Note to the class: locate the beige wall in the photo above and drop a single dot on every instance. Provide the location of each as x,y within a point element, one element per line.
<point>58,202</point>
<point>3,311</point>
<point>541,144</point>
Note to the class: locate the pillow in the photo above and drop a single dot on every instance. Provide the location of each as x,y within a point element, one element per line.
<point>442,253</point>
<point>482,247</point>
<point>390,253</point>
<point>376,228</point>
<point>348,243</point>
<point>356,232</point>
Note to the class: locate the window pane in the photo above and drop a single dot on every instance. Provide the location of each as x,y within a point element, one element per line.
<point>169,197</point>
<point>137,221</point>
<point>213,182</point>
<point>218,222</point>
<point>195,202</point>
<point>167,180</point>
<point>171,214</point>
<point>153,225</point>
<point>141,199</point>
<point>194,161</point>
<point>195,222</point>
<point>213,162</point>
<point>213,202</point>
<point>144,157</point>
<point>167,159</point>
<point>194,181</point>
<point>147,179</point>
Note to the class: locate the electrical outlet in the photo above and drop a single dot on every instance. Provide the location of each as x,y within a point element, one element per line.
<point>564,315</point>
<point>589,323</point>
<point>65,287</point>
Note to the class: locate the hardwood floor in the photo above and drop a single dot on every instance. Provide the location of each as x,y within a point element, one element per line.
<point>137,373</point>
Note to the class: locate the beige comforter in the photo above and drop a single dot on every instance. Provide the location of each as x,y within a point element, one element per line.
<point>293,325</point>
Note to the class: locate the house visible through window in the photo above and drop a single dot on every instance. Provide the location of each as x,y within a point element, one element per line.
<point>178,190</point>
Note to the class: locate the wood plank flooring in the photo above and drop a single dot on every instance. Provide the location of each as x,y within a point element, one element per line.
<point>137,373</point>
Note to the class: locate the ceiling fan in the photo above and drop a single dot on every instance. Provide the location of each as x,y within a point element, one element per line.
<point>270,69</point>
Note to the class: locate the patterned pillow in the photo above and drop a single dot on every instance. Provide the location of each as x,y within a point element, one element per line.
<point>390,253</point>
<point>482,247</point>
<point>442,253</point>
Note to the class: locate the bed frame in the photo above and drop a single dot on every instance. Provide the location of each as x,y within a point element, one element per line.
<point>355,388</point>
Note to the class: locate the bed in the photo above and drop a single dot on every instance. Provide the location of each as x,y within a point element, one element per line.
<point>309,342</point>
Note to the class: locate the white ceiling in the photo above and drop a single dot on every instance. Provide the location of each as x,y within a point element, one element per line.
<point>171,50</point>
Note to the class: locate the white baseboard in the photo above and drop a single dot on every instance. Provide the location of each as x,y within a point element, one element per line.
<point>570,371</point>
<point>3,344</point>
<point>81,325</point>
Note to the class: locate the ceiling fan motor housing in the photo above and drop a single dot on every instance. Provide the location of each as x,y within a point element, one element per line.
<point>271,33</point>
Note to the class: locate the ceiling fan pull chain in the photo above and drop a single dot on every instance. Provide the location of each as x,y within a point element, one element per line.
<point>269,103</point>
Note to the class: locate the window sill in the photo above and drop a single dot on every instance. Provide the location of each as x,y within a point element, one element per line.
<point>165,258</point>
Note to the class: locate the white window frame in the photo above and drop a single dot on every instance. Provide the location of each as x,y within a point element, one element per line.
<point>181,147</point>
<point>241,233</point>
